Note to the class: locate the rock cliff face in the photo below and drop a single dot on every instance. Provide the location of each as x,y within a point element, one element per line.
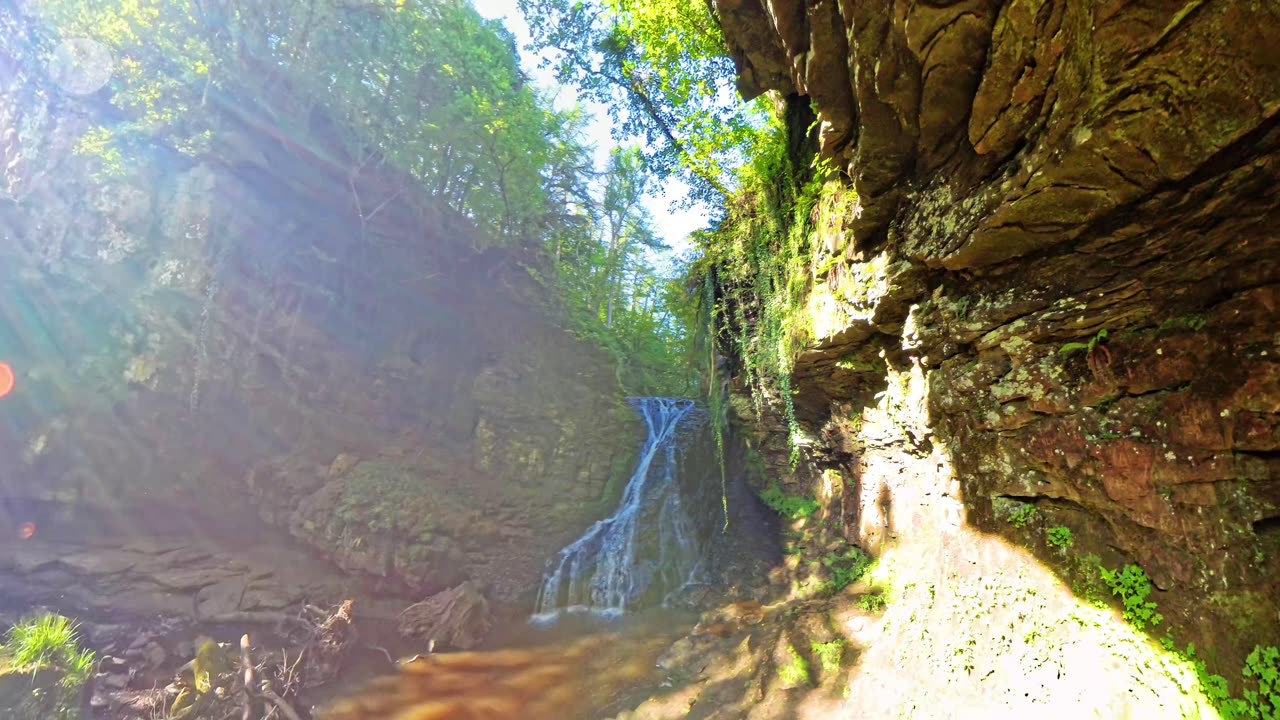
<point>281,324</point>
<point>1054,293</point>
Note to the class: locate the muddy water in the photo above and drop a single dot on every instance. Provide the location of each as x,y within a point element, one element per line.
<point>619,671</point>
<point>549,673</point>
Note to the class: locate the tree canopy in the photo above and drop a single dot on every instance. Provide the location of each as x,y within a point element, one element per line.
<point>662,70</point>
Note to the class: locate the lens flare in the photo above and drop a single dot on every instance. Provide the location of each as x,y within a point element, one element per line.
<point>27,530</point>
<point>7,379</point>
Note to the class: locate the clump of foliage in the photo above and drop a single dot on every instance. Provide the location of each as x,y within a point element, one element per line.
<point>1262,670</point>
<point>49,642</point>
<point>432,89</point>
<point>1020,515</point>
<point>614,292</point>
<point>795,673</point>
<point>1087,348</point>
<point>872,603</point>
<point>1060,537</point>
<point>791,507</point>
<point>664,71</point>
<point>758,258</point>
<point>845,567</point>
<point>1260,685</point>
<point>1260,677</point>
<point>428,94</point>
<point>829,654</point>
<point>1133,587</point>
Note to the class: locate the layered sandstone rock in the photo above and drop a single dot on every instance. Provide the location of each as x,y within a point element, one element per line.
<point>1064,227</point>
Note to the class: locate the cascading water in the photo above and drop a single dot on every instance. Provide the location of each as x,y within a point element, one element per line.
<point>648,548</point>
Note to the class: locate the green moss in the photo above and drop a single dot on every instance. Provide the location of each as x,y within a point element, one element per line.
<point>829,654</point>
<point>619,473</point>
<point>380,497</point>
<point>1193,323</point>
<point>795,673</point>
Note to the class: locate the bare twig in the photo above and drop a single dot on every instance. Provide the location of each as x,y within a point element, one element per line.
<point>246,663</point>
<point>319,612</point>
<point>284,707</point>
<point>384,651</point>
<point>383,204</point>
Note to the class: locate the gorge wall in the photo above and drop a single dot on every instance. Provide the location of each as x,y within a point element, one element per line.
<point>277,324</point>
<point>1044,291</point>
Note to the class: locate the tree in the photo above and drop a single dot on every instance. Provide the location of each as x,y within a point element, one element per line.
<point>662,69</point>
<point>429,87</point>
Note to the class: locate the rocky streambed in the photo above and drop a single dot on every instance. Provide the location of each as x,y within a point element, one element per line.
<point>147,584</point>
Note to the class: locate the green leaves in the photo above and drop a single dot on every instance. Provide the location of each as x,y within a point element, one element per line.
<point>50,640</point>
<point>791,507</point>
<point>1060,537</point>
<point>1262,667</point>
<point>1133,586</point>
<point>662,69</point>
<point>429,87</point>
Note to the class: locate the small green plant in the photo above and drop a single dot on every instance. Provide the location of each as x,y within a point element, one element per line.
<point>1060,537</point>
<point>1262,669</point>
<point>1260,682</point>
<point>49,640</point>
<point>845,568</point>
<point>1088,347</point>
<point>791,507</point>
<point>1020,515</point>
<point>1214,686</point>
<point>796,672</point>
<point>1133,587</point>
<point>829,654</point>
<point>872,603</point>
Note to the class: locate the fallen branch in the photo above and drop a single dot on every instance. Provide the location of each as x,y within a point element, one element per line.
<point>246,662</point>
<point>382,650</point>
<point>284,707</point>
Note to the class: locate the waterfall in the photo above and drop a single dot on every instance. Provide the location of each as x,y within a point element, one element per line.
<point>648,548</point>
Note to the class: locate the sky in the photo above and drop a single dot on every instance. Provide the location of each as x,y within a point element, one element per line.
<point>672,223</point>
